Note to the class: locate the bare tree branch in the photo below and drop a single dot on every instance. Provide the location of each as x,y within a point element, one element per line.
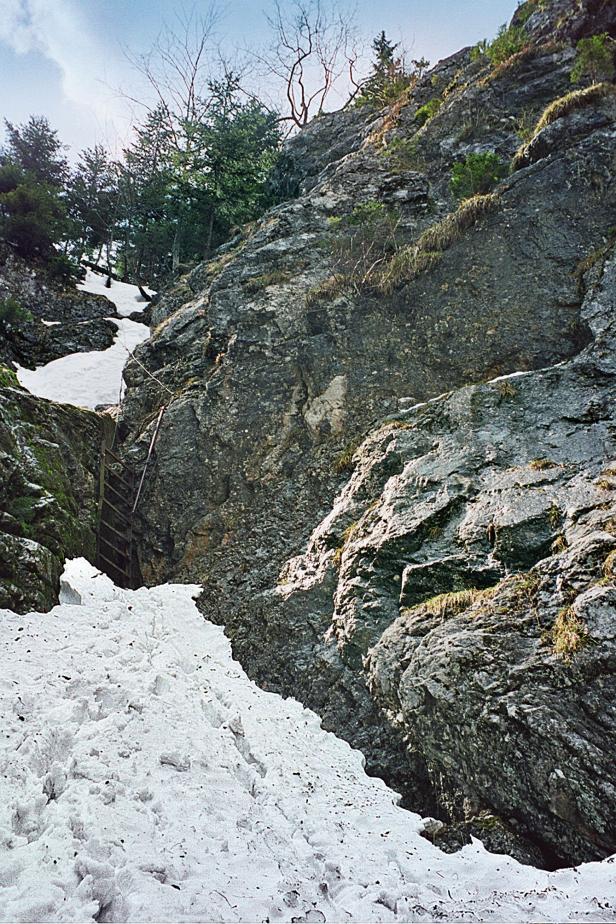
<point>312,47</point>
<point>177,71</point>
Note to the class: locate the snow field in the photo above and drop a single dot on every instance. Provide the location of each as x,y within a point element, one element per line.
<point>144,777</point>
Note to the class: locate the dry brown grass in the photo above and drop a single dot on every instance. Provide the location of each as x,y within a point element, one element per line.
<point>327,289</point>
<point>446,232</point>
<point>452,604</point>
<point>568,635</point>
<point>540,465</point>
<point>609,566</point>
<point>506,389</point>
<point>411,261</point>
<point>377,138</point>
<point>516,62</point>
<point>407,264</point>
<point>272,278</point>
<point>570,102</point>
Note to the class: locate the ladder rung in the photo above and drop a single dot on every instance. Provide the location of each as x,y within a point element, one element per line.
<point>123,552</point>
<point>113,488</point>
<point>120,513</point>
<point>111,453</point>
<point>113,565</point>
<point>110,471</point>
<point>115,491</point>
<point>125,536</point>
<point>118,568</point>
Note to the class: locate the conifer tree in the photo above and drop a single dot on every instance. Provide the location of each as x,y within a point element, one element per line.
<point>93,197</point>
<point>36,148</point>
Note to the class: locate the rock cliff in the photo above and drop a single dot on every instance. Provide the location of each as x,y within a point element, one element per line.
<point>293,400</point>
<point>49,485</point>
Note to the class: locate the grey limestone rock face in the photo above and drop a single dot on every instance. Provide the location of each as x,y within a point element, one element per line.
<point>272,394</point>
<point>471,561</point>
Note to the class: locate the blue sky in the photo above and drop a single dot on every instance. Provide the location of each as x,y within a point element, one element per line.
<point>66,59</point>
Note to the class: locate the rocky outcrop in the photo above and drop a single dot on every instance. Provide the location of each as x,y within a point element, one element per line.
<point>49,483</point>
<point>467,571</point>
<point>271,376</point>
<point>53,319</point>
<point>564,20</point>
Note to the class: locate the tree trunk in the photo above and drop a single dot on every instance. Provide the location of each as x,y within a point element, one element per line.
<point>109,245</point>
<point>210,231</point>
<point>177,247</point>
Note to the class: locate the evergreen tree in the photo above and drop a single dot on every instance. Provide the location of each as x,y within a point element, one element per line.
<point>389,78</point>
<point>32,216</point>
<point>145,227</point>
<point>235,148</point>
<point>36,148</point>
<point>384,57</point>
<point>183,189</point>
<point>183,184</point>
<point>93,201</point>
<point>33,202</point>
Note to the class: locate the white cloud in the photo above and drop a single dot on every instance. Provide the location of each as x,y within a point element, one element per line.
<point>15,25</point>
<point>57,30</point>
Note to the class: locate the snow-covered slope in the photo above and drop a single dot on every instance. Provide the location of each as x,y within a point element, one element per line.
<point>144,777</point>
<point>89,379</point>
<point>124,296</point>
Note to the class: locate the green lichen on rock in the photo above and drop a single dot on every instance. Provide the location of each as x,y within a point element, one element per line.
<point>8,378</point>
<point>49,459</point>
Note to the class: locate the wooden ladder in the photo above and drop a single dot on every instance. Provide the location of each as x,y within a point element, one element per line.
<point>114,548</point>
<point>118,499</point>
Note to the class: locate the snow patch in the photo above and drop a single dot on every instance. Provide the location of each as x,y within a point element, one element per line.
<point>126,298</point>
<point>87,379</point>
<point>92,378</point>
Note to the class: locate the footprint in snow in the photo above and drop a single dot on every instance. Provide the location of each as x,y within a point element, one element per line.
<point>179,762</point>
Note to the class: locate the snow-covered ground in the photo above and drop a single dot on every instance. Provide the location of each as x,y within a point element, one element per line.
<point>89,379</point>
<point>124,296</point>
<point>144,777</point>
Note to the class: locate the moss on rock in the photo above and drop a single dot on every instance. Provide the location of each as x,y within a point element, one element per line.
<point>49,463</point>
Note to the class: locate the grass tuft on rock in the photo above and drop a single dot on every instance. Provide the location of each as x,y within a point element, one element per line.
<point>411,261</point>
<point>272,278</point>
<point>8,378</point>
<point>509,41</point>
<point>506,389</point>
<point>344,461</point>
<point>540,465</point>
<point>568,635</point>
<point>609,566</point>
<point>452,604</point>
<point>324,291</point>
<point>563,106</point>
<point>428,111</point>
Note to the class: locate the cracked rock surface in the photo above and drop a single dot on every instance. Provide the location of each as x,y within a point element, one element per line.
<point>269,391</point>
